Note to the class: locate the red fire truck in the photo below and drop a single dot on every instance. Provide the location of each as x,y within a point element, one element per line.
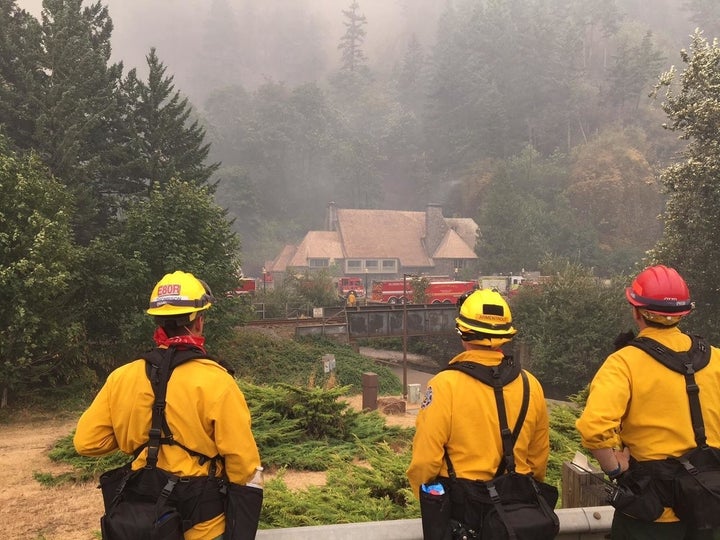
<point>246,285</point>
<point>347,284</point>
<point>438,291</point>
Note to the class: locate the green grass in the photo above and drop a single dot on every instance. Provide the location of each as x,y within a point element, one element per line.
<point>300,422</point>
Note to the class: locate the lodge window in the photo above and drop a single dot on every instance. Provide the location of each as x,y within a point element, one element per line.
<point>389,265</point>
<point>371,265</point>
<point>353,265</point>
<point>318,263</point>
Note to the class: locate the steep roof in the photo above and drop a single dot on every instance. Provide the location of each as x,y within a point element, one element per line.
<point>317,245</point>
<point>384,234</point>
<point>466,228</point>
<point>453,247</point>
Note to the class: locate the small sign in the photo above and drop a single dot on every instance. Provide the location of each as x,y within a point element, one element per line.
<point>328,361</point>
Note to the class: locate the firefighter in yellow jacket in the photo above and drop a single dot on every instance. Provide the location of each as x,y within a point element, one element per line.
<point>459,413</point>
<point>638,410</point>
<point>205,410</point>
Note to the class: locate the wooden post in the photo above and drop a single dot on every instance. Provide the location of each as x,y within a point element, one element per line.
<point>582,489</point>
<point>370,391</point>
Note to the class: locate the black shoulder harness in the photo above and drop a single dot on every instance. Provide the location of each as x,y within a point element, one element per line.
<point>686,363</point>
<point>498,376</point>
<point>505,372</point>
<point>159,364</point>
<point>696,358</point>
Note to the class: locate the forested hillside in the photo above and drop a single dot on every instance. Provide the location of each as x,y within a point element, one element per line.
<point>533,118</point>
<point>560,126</point>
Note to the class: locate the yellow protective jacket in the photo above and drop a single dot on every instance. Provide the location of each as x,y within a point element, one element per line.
<point>638,403</point>
<point>459,413</point>
<point>206,412</point>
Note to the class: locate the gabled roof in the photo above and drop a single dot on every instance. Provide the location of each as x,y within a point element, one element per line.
<point>380,234</point>
<point>280,263</point>
<point>384,234</point>
<point>466,228</point>
<point>317,245</point>
<point>453,247</point>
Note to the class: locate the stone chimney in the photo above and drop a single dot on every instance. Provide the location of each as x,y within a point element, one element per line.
<point>331,217</point>
<point>435,228</point>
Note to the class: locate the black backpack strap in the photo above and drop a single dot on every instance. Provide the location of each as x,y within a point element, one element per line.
<point>160,374</point>
<point>687,363</point>
<point>159,365</point>
<point>497,377</point>
<point>509,437</point>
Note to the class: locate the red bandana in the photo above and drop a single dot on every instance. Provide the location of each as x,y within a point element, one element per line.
<point>184,341</point>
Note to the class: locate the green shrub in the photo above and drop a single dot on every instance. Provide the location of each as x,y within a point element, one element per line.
<point>262,359</point>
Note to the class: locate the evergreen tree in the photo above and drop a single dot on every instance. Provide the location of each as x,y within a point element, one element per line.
<point>79,131</point>
<point>411,82</point>
<point>353,57</point>
<point>20,76</point>
<point>166,142</point>
<point>177,227</point>
<point>634,67</point>
<point>691,242</point>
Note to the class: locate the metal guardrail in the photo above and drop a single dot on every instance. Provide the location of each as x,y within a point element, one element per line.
<point>591,523</point>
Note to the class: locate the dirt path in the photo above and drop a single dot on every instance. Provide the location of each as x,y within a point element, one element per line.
<point>30,511</point>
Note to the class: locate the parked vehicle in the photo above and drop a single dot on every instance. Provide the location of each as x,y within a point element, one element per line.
<point>345,285</point>
<point>506,285</point>
<point>396,291</point>
<point>246,286</point>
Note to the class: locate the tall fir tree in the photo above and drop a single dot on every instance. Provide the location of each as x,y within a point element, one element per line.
<point>353,57</point>
<point>354,74</point>
<point>20,73</point>
<point>166,141</point>
<point>79,131</point>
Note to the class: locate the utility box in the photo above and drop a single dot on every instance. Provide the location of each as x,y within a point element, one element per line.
<point>369,391</point>
<point>413,392</point>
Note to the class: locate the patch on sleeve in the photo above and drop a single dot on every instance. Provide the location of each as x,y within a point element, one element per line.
<point>427,400</point>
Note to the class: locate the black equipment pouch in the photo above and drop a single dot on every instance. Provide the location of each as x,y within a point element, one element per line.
<point>242,511</point>
<point>636,495</point>
<point>436,511</point>
<point>521,508</point>
<point>142,509</point>
<point>697,488</point>
<point>512,505</point>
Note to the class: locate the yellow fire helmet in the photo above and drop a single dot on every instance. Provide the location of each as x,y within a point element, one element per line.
<point>179,293</point>
<point>484,318</point>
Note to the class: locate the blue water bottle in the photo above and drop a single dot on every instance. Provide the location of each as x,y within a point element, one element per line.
<point>433,489</point>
